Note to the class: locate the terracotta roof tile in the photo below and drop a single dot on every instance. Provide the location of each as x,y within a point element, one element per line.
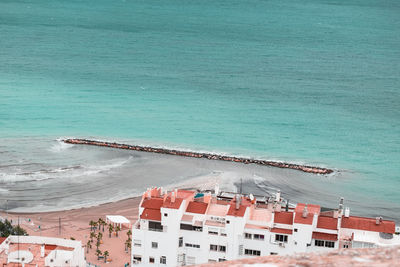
<point>151,214</point>
<point>324,236</point>
<point>2,239</point>
<point>172,205</point>
<point>327,223</point>
<point>152,203</point>
<point>284,217</point>
<point>282,231</point>
<point>311,209</point>
<point>197,207</point>
<point>368,224</point>
<point>237,213</point>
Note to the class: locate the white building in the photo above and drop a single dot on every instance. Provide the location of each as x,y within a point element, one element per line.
<point>185,228</point>
<point>41,251</point>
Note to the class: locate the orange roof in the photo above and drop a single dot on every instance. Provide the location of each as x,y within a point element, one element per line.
<point>282,231</point>
<point>2,239</point>
<point>185,193</point>
<point>50,247</point>
<point>150,214</point>
<point>311,209</point>
<point>172,205</point>
<point>283,217</point>
<point>236,212</point>
<point>314,209</point>
<point>368,224</point>
<point>324,236</point>
<point>152,203</point>
<point>327,223</point>
<point>197,207</point>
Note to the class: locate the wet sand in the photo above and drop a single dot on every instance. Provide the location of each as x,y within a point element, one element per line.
<point>75,224</point>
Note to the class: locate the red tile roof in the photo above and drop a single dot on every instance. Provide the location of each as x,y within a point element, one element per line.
<point>327,223</point>
<point>282,231</point>
<point>324,236</point>
<point>50,247</point>
<point>237,213</point>
<point>311,209</point>
<point>172,205</point>
<point>283,217</point>
<point>150,214</point>
<point>152,203</point>
<point>185,193</point>
<point>368,224</point>
<point>2,239</point>
<point>197,207</point>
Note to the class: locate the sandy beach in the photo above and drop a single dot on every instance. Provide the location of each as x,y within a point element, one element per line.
<point>75,224</point>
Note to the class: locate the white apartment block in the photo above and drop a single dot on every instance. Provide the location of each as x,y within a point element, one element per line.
<point>41,251</point>
<point>184,227</point>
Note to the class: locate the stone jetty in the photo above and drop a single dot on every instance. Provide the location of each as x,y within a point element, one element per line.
<point>304,168</point>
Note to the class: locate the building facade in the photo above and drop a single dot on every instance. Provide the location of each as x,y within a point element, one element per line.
<point>184,227</point>
<point>41,251</point>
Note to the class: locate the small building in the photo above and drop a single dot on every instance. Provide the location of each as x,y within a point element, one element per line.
<point>41,251</point>
<point>183,227</point>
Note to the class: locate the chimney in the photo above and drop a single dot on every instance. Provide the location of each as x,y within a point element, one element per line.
<point>341,204</point>
<point>347,212</point>
<point>305,212</point>
<point>278,196</point>
<point>378,220</point>
<point>216,189</point>
<point>173,197</point>
<point>287,205</point>
<point>42,251</point>
<point>237,202</point>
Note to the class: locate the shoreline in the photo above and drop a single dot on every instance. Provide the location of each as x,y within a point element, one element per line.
<point>210,156</point>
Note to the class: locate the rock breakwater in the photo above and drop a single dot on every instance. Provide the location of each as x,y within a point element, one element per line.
<point>304,168</point>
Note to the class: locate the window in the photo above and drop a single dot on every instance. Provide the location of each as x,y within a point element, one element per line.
<point>227,221</point>
<point>247,235</point>
<point>210,260</point>
<point>273,253</point>
<point>212,233</point>
<point>329,244</point>
<point>165,214</point>
<point>213,247</point>
<point>151,260</point>
<point>240,249</point>
<point>319,243</point>
<point>258,237</point>
<point>137,243</point>
<point>155,226</point>
<point>223,234</point>
<point>252,252</point>
<point>222,248</point>
<point>180,242</point>
<point>163,260</point>
<point>137,258</point>
<point>295,229</point>
<point>192,245</point>
<point>154,245</point>
<point>346,246</point>
<point>190,227</point>
<point>221,260</point>
<point>281,238</point>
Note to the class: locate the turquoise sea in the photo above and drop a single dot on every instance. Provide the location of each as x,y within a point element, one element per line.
<point>313,81</point>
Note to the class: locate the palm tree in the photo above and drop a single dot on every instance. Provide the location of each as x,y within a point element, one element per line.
<point>105,255</point>
<point>92,235</point>
<point>127,244</point>
<point>101,222</point>
<point>97,243</point>
<point>91,223</point>
<point>110,229</point>
<point>98,254</point>
<point>100,236</point>
<point>117,230</point>
<point>88,245</point>
<point>129,233</point>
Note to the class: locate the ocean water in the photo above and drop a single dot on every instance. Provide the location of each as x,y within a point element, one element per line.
<point>314,82</point>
